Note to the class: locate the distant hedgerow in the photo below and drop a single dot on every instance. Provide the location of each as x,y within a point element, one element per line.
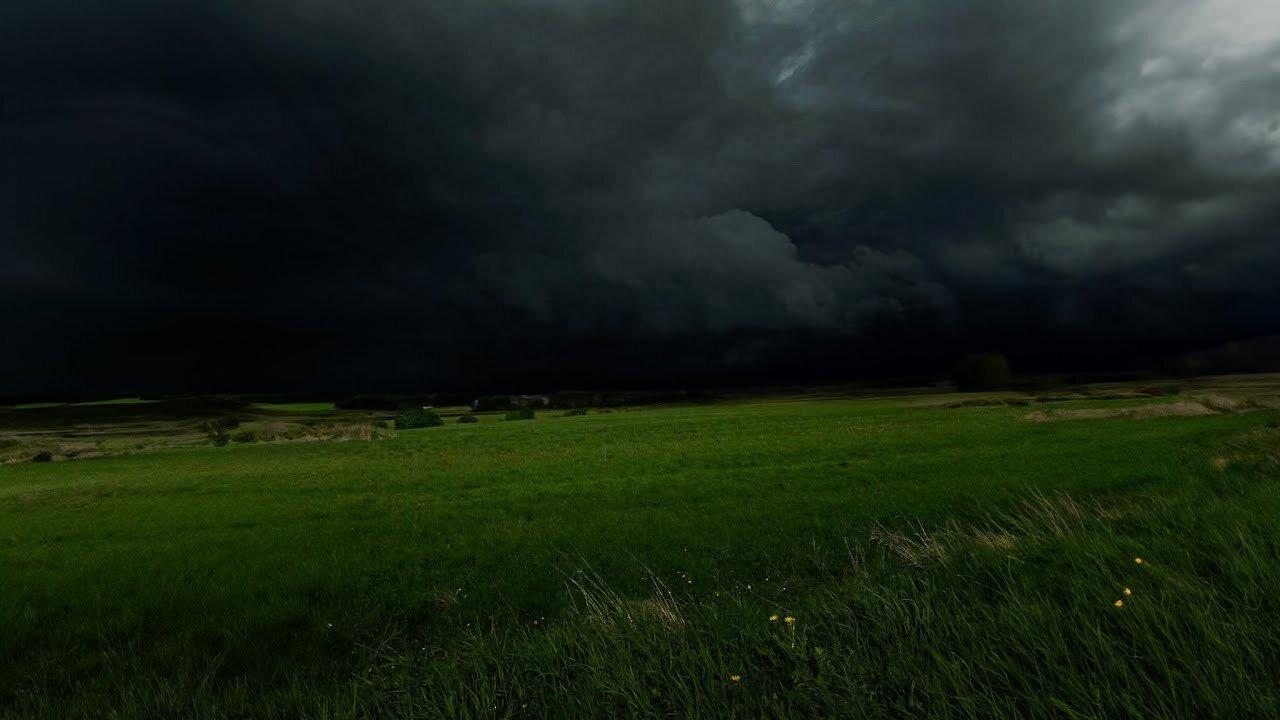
<point>519,414</point>
<point>576,412</point>
<point>414,418</point>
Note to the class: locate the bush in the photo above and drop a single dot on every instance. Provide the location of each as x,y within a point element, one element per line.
<point>576,412</point>
<point>983,372</point>
<point>43,456</point>
<point>244,436</point>
<point>519,414</point>
<point>468,418</point>
<point>414,418</point>
<point>219,429</point>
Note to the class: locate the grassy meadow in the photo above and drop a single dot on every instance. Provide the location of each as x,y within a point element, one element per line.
<point>940,556</point>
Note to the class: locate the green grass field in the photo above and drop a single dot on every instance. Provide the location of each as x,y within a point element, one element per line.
<point>299,407</point>
<point>91,403</point>
<point>118,401</point>
<point>948,562</point>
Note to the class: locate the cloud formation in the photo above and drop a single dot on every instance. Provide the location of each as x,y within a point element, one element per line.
<point>512,190</point>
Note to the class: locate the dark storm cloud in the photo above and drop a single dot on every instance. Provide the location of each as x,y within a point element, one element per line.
<point>546,191</point>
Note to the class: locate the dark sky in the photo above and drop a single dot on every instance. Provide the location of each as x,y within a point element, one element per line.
<point>268,194</point>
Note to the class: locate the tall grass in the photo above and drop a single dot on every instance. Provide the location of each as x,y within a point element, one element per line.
<point>929,609</point>
<point>1012,615</point>
<point>1015,617</point>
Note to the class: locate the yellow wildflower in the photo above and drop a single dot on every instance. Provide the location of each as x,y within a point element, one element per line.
<point>1138,560</point>
<point>773,618</point>
<point>1127,591</point>
<point>736,678</point>
<point>1119,603</point>
<point>789,620</point>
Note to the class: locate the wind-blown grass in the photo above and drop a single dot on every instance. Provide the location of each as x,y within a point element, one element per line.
<point>937,563</point>
<point>939,623</point>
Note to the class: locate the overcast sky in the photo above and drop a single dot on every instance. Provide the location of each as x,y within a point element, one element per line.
<point>544,193</point>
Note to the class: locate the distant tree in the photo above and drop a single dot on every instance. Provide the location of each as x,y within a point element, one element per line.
<point>986,371</point>
<point>414,418</point>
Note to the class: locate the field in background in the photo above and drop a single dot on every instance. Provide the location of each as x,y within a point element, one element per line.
<point>298,407</point>
<point>124,426</point>
<point>927,556</point>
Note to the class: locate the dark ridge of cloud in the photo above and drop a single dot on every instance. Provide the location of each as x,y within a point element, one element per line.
<point>547,191</point>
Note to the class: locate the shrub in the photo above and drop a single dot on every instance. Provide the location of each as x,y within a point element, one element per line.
<point>468,418</point>
<point>983,372</point>
<point>244,436</point>
<point>219,430</point>
<point>576,412</point>
<point>43,456</point>
<point>519,414</point>
<point>414,418</point>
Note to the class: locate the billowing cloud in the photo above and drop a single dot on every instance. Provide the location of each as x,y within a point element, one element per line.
<point>227,191</point>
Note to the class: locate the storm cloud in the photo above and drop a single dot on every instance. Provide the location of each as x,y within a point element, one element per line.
<point>491,193</point>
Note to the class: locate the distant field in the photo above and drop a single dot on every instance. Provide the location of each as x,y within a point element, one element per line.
<point>114,401</point>
<point>117,401</point>
<point>941,556</point>
<point>301,407</point>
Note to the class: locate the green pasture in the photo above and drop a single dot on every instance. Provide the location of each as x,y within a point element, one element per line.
<point>936,561</point>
